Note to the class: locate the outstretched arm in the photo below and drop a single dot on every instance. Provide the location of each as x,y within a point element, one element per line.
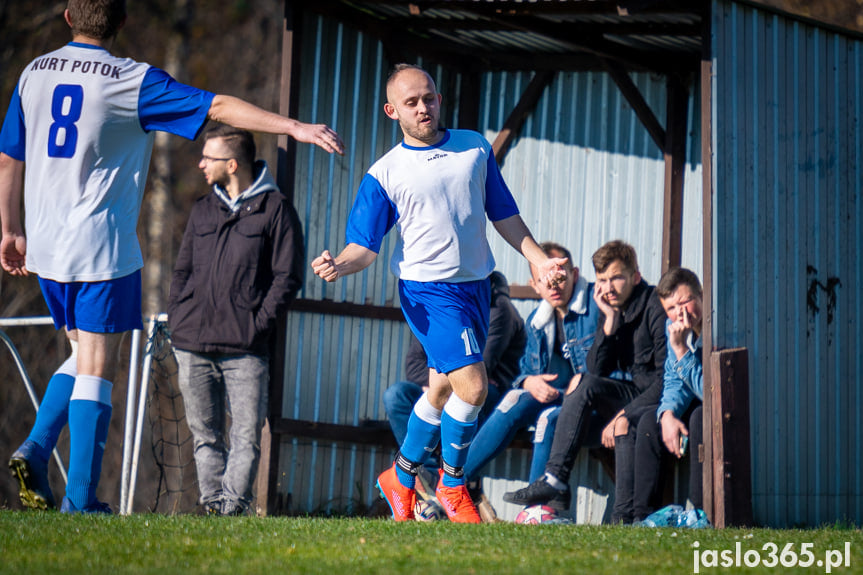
<point>241,114</point>
<point>13,246</point>
<point>515,232</point>
<point>354,258</point>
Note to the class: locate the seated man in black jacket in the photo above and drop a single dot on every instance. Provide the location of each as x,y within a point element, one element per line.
<point>239,266</point>
<point>627,359</point>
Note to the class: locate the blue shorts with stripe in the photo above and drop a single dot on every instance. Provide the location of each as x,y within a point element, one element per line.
<point>449,319</point>
<point>111,306</point>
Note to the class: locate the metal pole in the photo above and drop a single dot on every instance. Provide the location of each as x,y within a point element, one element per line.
<point>131,386</point>
<point>142,402</point>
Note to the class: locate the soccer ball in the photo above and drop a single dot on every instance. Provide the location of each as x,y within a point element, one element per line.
<point>535,514</point>
<point>427,511</point>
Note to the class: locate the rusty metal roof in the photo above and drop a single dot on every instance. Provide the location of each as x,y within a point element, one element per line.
<point>659,35</point>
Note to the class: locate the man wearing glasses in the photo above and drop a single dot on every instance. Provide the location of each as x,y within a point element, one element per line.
<point>240,264</point>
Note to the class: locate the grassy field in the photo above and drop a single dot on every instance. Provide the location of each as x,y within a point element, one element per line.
<point>47,542</point>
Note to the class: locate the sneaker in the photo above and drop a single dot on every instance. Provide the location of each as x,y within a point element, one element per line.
<point>401,499</point>
<point>232,509</point>
<point>31,472</point>
<point>96,507</point>
<point>456,502</point>
<point>213,508</point>
<point>540,492</point>
<point>426,484</point>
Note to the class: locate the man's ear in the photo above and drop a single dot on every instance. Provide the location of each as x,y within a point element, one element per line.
<point>532,284</point>
<point>390,111</point>
<point>636,277</point>
<point>574,274</point>
<point>66,17</point>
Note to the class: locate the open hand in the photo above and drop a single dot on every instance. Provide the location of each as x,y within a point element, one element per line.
<point>13,254</point>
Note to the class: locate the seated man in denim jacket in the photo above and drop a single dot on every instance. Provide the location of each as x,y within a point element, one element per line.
<point>662,431</point>
<point>559,334</point>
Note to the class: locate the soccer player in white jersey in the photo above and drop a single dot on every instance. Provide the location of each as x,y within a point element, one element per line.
<point>83,121</point>
<point>438,187</point>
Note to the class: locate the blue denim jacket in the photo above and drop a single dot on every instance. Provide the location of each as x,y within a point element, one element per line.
<point>683,380</point>
<point>579,325</point>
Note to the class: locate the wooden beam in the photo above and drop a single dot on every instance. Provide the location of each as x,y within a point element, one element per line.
<point>637,101</point>
<point>268,465</point>
<point>732,467</point>
<point>707,254</point>
<point>677,103</point>
<point>515,121</point>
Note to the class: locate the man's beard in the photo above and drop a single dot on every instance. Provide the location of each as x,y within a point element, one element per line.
<point>424,133</point>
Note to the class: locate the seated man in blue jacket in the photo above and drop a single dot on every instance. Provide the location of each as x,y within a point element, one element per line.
<point>239,266</point>
<point>559,334</point>
<point>664,431</point>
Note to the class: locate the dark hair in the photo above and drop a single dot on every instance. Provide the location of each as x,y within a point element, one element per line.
<point>615,250</point>
<point>240,143</point>
<point>676,277</point>
<point>99,19</point>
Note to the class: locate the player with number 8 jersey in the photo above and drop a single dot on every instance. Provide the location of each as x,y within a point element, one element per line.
<point>83,121</point>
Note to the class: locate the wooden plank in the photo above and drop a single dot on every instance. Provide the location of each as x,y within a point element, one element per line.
<point>526,104</point>
<point>732,467</point>
<point>675,162</point>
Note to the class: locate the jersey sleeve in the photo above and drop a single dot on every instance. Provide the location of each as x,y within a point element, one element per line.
<point>13,135</point>
<point>499,203</point>
<point>372,215</point>
<point>169,106</point>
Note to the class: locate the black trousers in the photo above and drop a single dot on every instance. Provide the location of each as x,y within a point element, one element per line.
<point>638,460</point>
<point>584,411</point>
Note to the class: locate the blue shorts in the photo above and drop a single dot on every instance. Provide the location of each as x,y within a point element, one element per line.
<point>111,306</point>
<point>449,319</point>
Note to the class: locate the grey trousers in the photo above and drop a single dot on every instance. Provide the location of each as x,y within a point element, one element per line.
<point>215,386</point>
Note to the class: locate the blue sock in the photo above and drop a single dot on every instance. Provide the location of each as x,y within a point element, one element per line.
<point>422,437</point>
<point>458,428</point>
<point>54,409</point>
<point>89,416</point>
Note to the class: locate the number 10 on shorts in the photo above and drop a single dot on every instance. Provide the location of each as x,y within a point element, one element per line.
<point>469,339</point>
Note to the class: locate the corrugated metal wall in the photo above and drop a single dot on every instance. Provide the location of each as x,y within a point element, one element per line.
<point>584,171</point>
<point>787,254</point>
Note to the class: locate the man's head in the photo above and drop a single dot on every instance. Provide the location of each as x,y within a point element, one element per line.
<point>227,151</point>
<point>96,19</point>
<point>413,101</point>
<point>559,295</point>
<point>680,293</point>
<point>617,274</point>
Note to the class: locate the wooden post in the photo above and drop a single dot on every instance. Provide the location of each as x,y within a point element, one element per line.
<point>267,496</point>
<point>707,240</point>
<point>731,465</point>
<point>675,162</point>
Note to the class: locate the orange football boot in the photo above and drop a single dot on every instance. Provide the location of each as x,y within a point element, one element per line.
<point>456,502</point>
<point>401,499</point>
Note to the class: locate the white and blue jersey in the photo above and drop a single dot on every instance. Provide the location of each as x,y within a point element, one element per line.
<point>438,198</point>
<point>83,120</point>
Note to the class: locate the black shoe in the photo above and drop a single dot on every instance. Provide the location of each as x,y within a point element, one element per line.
<point>540,492</point>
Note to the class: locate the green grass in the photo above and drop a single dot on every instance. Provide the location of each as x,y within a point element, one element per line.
<point>47,542</point>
